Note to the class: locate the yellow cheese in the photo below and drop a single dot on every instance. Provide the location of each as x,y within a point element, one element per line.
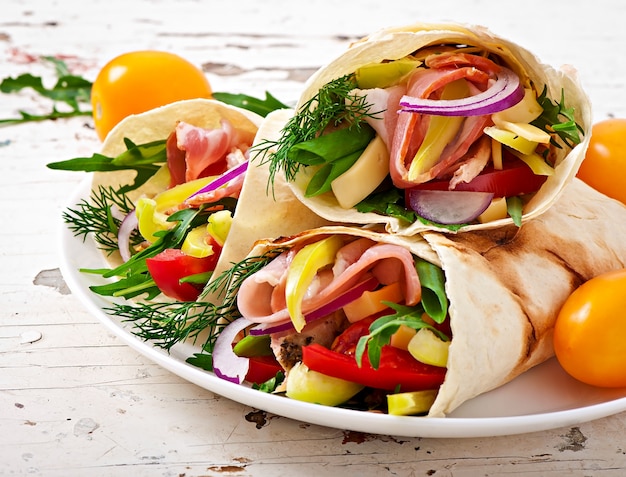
<point>370,303</point>
<point>364,176</point>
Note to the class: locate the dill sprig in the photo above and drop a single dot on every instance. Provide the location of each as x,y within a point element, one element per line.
<point>165,324</point>
<point>168,323</point>
<point>335,103</point>
<point>100,215</point>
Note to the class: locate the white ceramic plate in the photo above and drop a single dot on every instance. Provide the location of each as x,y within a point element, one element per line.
<point>543,398</point>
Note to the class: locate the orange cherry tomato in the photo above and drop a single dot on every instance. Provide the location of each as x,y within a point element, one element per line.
<point>590,331</point>
<point>604,167</point>
<point>138,81</point>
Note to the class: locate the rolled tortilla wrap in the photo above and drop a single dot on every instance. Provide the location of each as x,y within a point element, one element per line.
<point>399,43</point>
<point>258,214</point>
<point>505,285</point>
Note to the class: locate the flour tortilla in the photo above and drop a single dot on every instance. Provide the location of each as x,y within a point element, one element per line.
<point>259,214</point>
<point>396,43</point>
<point>506,285</point>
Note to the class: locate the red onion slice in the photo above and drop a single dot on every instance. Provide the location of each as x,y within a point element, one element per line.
<point>449,207</point>
<point>226,364</point>
<point>129,223</point>
<point>505,92</point>
<point>223,179</point>
<point>342,300</point>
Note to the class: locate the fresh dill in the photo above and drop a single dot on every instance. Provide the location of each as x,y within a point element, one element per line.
<point>334,104</point>
<point>101,216</point>
<point>165,324</point>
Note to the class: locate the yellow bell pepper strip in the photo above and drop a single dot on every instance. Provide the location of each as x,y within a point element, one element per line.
<point>307,385</point>
<point>151,212</point>
<point>383,75</point>
<point>441,130</point>
<point>219,225</point>
<point>411,403</point>
<point>305,265</point>
<point>428,348</point>
<point>196,243</point>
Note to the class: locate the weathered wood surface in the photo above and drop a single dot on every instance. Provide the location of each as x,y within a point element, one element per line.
<point>74,400</point>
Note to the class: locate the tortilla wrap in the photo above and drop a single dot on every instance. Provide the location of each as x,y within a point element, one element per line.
<point>397,43</point>
<point>506,285</point>
<point>258,215</point>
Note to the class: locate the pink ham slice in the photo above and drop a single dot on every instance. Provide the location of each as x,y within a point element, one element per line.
<point>261,296</point>
<point>194,152</point>
<point>203,147</point>
<point>412,127</point>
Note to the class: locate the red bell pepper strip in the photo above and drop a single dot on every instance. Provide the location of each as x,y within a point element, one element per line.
<point>262,369</point>
<point>398,370</point>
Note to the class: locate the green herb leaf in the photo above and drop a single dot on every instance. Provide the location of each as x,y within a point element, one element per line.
<point>166,324</point>
<point>383,328</point>
<point>72,90</point>
<point>434,297</point>
<point>334,104</point>
<point>557,118</point>
<point>145,159</point>
<point>270,385</point>
<point>262,107</point>
<point>514,207</point>
<point>95,216</point>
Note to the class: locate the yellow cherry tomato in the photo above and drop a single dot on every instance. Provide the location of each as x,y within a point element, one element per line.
<point>604,167</point>
<point>590,331</point>
<point>138,81</point>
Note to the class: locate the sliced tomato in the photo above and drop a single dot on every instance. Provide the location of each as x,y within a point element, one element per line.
<point>262,368</point>
<point>169,267</point>
<point>397,369</point>
<point>514,179</point>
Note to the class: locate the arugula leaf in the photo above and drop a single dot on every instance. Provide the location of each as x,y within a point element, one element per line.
<point>434,297</point>
<point>386,202</point>
<point>135,284</point>
<point>383,328</point>
<point>145,158</point>
<point>270,385</point>
<point>262,107</point>
<point>556,118</point>
<point>72,90</point>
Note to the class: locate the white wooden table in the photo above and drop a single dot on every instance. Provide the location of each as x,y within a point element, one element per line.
<point>77,401</point>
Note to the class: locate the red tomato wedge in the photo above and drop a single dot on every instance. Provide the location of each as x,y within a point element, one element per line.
<point>516,178</point>
<point>397,370</point>
<point>170,266</point>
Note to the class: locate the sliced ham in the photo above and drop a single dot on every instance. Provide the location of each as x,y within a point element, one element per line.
<point>388,263</point>
<point>411,128</point>
<point>203,147</point>
<point>472,163</point>
<point>194,152</point>
<point>384,105</point>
